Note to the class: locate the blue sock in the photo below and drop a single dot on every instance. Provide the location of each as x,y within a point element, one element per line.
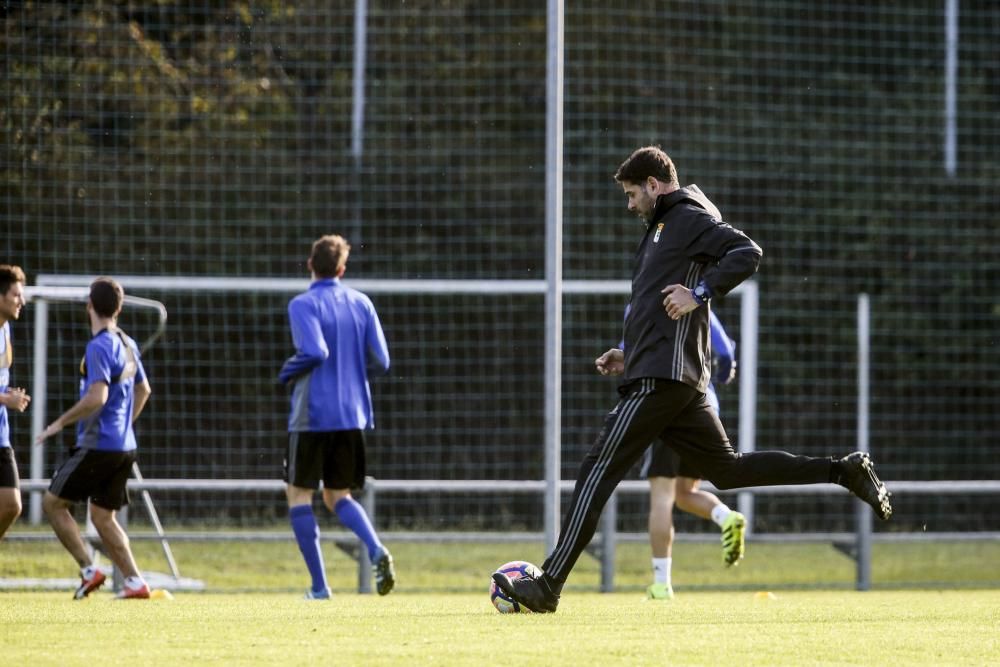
<point>307,535</point>
<point>353,515</point>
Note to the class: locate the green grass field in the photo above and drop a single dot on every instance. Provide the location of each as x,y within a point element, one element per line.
<point>703,628</point>
<point>934,604</point>
<point>464,567</point>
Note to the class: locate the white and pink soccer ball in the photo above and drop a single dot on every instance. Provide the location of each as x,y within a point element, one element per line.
<point>514,570</point>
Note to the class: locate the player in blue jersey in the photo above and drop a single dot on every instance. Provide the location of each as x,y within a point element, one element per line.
<point>113,391</point>
<point>12,398</point>
<point>338,338</point>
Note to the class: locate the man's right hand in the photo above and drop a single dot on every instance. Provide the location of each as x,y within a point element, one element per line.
<point>611,362</point>
<point>16,399</point>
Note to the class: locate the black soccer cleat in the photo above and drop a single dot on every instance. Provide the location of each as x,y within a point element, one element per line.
<point>384,571</point>
<point>529,592</point>
<point>860,479</point>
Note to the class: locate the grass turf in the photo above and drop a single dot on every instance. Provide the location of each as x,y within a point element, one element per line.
<point>697,628</point>
<point>430,567</point>
<point>256,615</point>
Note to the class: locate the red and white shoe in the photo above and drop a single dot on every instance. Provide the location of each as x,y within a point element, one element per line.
<point>129,593</point>
<point>88,585</point>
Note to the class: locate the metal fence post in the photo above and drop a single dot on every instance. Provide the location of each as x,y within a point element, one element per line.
<point>39,391</point>
<point>862,511</point>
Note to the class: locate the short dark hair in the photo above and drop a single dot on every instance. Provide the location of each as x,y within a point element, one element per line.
<point>329,255</point>
<point>645,162</point>
<point>106,296</point>
<point>10,274</point>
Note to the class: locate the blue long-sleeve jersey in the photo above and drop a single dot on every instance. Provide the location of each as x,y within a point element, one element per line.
<point>337,335</point>
<point>723,351</point>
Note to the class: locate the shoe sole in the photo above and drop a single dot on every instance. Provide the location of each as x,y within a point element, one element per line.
<point>884,509</point>
<point>133,597</point>
<point>503,583</point>
<point>733,558</point>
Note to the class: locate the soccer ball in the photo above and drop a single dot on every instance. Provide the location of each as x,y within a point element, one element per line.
<point>514,570</point>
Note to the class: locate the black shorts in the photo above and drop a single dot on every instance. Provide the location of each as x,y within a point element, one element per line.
<point>338,457</point>
<point>660,460</point>
<point>100,476</point>
<point>8,469</point>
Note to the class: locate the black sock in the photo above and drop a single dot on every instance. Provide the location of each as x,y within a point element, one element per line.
<point>836,471</point>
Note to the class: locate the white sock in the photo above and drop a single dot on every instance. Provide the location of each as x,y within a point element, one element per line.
<point>661,570</point>
<point>88,571</point>
<point>719,514</point>
<point>134,582</point>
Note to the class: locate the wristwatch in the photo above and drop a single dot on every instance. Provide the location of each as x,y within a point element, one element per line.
<point>701,293</point>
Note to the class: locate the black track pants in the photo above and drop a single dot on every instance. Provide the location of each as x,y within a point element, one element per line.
<point>652,408</point>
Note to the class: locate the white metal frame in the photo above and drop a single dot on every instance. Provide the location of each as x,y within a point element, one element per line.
<point>552,289</point>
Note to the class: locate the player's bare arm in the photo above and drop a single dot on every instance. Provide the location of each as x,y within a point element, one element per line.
<point>678,302</point>
<point>15,398</point>
<point>142,392</point>
<point>611,362</point>
<point>91,402</point>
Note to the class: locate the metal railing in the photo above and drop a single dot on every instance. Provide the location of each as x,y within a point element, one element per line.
<point>605,542</point>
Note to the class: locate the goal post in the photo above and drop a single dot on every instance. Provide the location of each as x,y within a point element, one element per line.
<point>425,293</point>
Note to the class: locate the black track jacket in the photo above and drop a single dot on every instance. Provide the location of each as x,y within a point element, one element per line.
<point>686,242</point>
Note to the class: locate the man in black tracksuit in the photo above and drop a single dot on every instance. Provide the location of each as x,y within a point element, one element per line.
<point>687,256</point>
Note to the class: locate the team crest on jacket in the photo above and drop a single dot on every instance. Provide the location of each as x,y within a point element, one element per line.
<point>656,237</point>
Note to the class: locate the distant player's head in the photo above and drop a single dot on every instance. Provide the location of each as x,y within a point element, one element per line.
<point>645,175</point>
<point>11,292</point>
<point>106,297</point>
<point>328,258</point>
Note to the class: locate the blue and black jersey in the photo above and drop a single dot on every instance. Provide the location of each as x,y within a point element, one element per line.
<point>337,336</point>
<point>111,357</point>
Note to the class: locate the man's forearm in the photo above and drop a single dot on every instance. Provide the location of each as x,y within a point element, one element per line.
<point>85,407</point>
<point>142,393</point>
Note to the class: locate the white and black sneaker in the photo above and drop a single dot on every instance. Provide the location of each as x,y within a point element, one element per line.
<point>858,475</point>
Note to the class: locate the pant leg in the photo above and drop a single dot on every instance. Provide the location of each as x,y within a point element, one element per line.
<point>648,404</point>
<point>700,439</point>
